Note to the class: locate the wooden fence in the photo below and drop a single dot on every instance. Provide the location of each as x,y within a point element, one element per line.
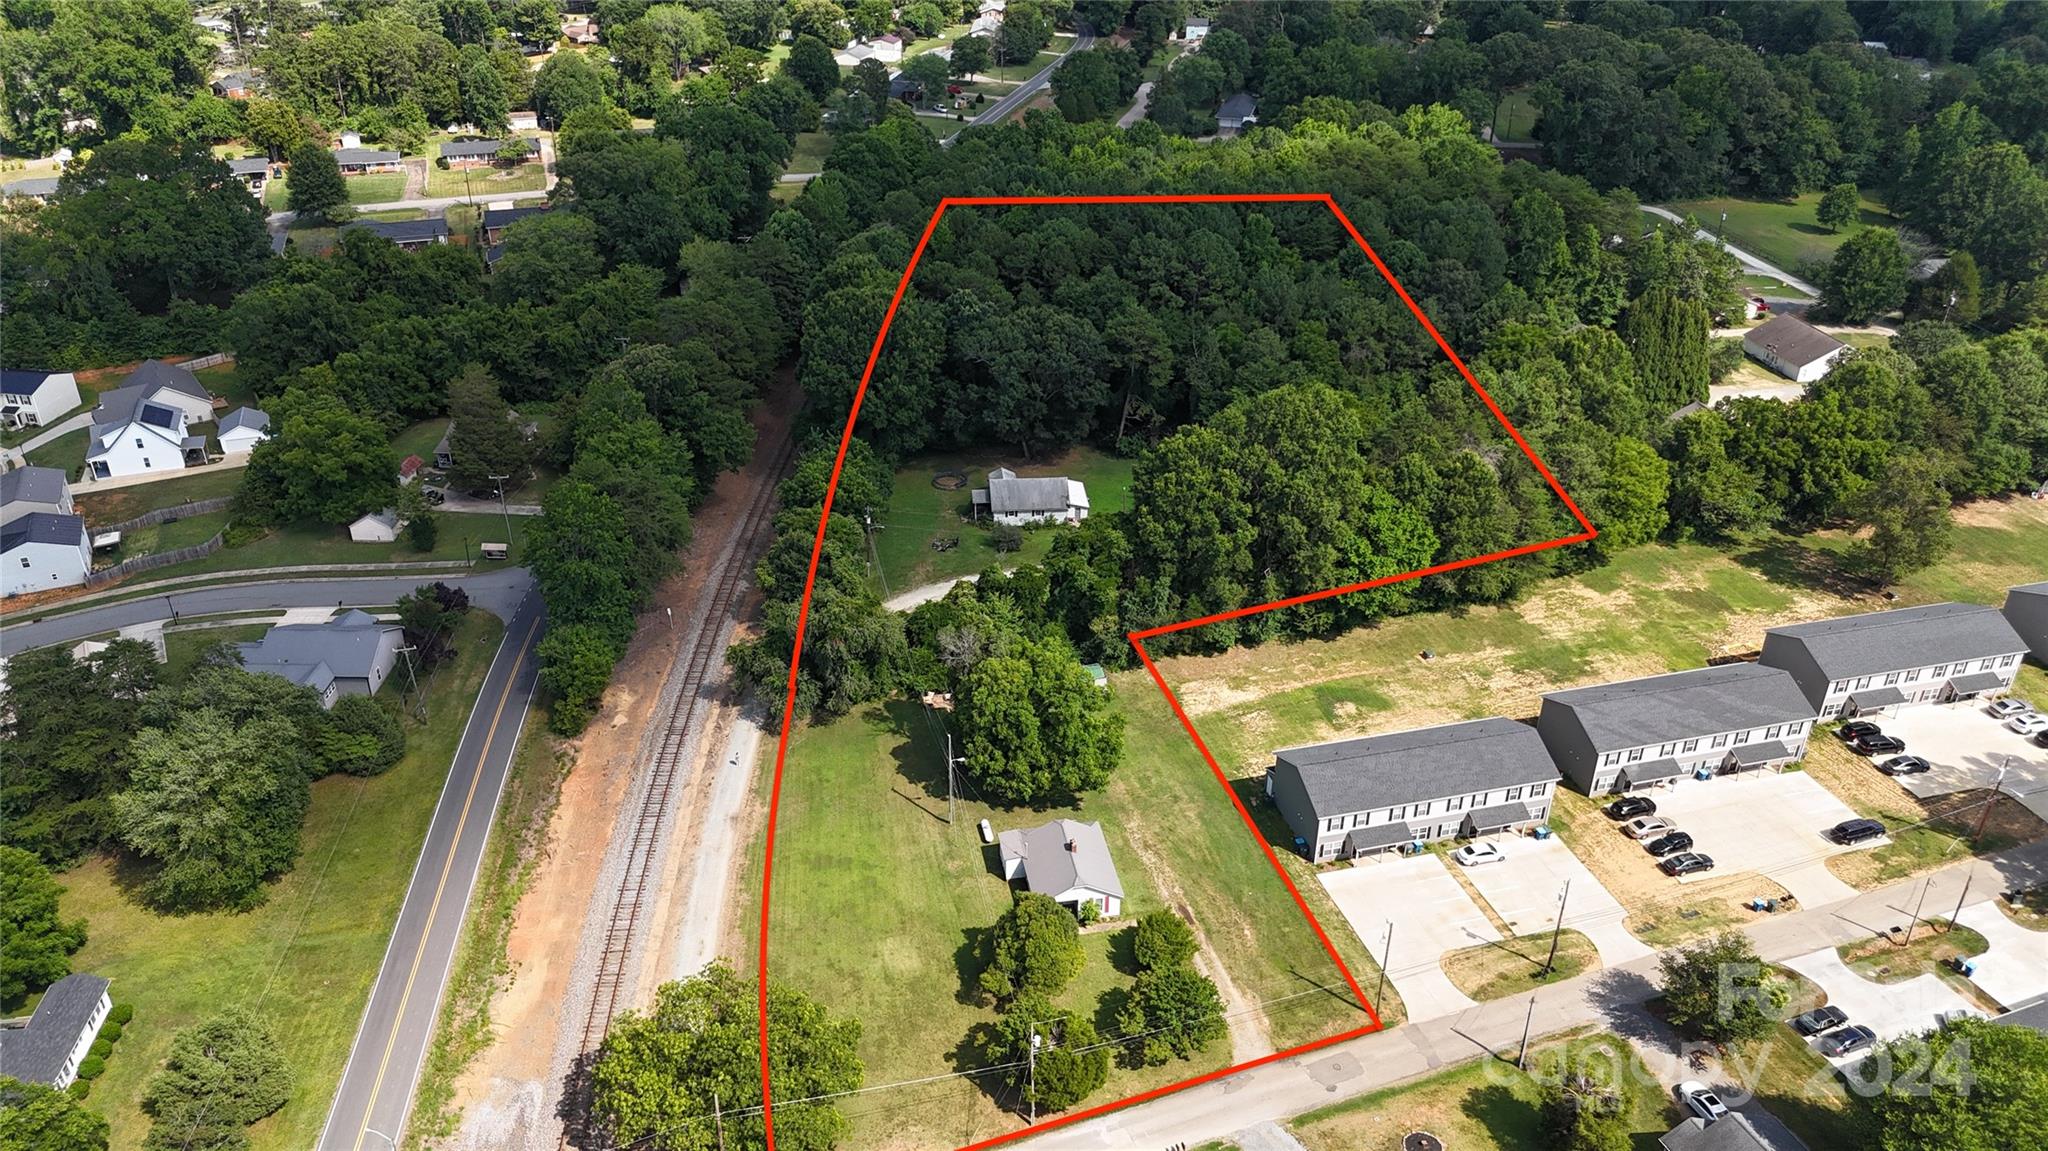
<point>152,562</point>
<point>165,515</point>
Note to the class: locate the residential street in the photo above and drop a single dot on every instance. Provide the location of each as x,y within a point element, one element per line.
<point>999,111</point>
<point>1749,261</point>
<point>1610,999</point>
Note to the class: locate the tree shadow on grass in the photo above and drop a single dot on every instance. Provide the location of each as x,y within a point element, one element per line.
<point>1512,1121</point>
<point>967,963</point>
<point>1794,563</point>
<point>1123,954</point>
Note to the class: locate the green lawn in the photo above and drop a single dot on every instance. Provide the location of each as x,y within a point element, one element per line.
<point>877,905</point>
<point>483,183</point>
<point>182,648</point>
<point>419,440</point>
<point>1517,115</point>
<point>946,36</point>
<point>66,452</point>
<point>373,188</point>
<point>1488,1105</point>
<point>1770,285</point>
<point>918,513</point>
<point>1783,232</point>
<point>304,961</point>
<point>810,152</point>
<point>305,545</point>
<point>223,381</point>
<point>394,214</point>
<point>118,504</point>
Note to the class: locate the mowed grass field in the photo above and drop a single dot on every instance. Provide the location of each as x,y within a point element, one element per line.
<point>919,513</point>
<point>304,961</point>
<point>1782,232</point>
<point>878,909</point>
<point>483,183</point>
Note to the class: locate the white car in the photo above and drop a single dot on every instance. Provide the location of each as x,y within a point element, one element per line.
<point>1700,1101</point>
<point>1646,826</point>
<point>2007,708</point>
<point>1474,854</point>
<point>2028,723</point>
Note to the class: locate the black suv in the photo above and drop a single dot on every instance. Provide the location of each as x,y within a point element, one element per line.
<point>1855,728</point>
<point>1630,806</point>
<point>1665,845</point>
<point>1877,743</point>
<point>1820,1019</point>
<point>1856,831</point>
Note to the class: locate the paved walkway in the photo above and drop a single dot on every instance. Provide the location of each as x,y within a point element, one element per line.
<point>1750,261</point>
<point>17,456</point>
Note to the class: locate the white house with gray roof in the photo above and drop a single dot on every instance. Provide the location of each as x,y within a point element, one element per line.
<point>1880,661</point>
<point>1731,1132</point>
<point>1643,732</point>
<point>2026,609</point>
<point>242,429</point>
<point>142,426</point>
<point>351,654</point>
<point>30,398</point>
<point>1018,500</point>
<point>1380,793</point>
<point>26,491</point>
<point>1066,860</point>
<point>60,1033</point>
<point>40,551</point>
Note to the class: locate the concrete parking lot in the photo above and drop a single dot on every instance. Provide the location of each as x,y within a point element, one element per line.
<point>1524,889</point>
<point>2014,970</point>
<point>1774,824</point>
<point>1966,748</point>
<point>1430,914</point>
<point>1890,1009</point>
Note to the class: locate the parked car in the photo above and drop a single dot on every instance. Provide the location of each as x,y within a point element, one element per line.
<point>2007,708</point>
<point>1474,854</point>
<point>1700,1101</point>
<point>1687,863</point>
<point>1845,1040</point>
<point>1878,744</point>
<point>433,495</point>
<point>1629,806</point>
<point>1855,729</point>
<point>1666,844</point>
<point>1646,826</point>
<point>2028,723</point>
<point>1957,1015</point>
<point>1856,831</point>
<point>1820,1019</point>
<point>953,89</point>
<point>2041,738</point>
<point>1904,765</point>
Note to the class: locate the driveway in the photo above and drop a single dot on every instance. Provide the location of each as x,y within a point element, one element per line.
<point>1430,915</point>
<point>1770,824</point>
<point>1967,747</point>
<point>2015,969</point>
<point>1524,889</point>
<point>1749,261</point>
<point>1890,1009</point>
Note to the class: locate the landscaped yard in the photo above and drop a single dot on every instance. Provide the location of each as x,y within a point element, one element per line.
<point>1782,232</point>
<point>810,152</point>
<point>87,396</point>
<point>483,183</point>
<point>304,961</point>
<point>919,513</point>
<point>1516,117</point>
<point>314,545</point>
<point>182,648</point>
<point>372,188</point>
<point>66,452</point>
<point>1488,1105</point>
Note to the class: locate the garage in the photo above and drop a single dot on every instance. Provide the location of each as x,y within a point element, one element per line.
<point>1429,913</point>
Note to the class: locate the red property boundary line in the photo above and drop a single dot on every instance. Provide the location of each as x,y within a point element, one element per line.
<point>1137,638</point>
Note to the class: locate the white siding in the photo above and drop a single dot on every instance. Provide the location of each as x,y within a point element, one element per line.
<point>1921,684</point>
<point>138,449</point>
<point>39,567</point>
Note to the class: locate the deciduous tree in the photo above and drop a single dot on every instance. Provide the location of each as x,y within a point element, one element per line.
<point>1981,1085</point>
<point>1867,276</point>
<point>35,945</point>
<point>220,1076</point>
<point>38,1117</point>
<point>1177,1010</point>
<point>1838,207</point>
<point>1719,990</point>
<point>1032,952</point>
<point>1036,727</point>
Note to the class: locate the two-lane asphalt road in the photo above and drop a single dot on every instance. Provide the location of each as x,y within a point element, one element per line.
<point>375,1096</point>
<point>996,113</point>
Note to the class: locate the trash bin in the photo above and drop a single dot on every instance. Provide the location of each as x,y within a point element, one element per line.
<point>1543,831</point>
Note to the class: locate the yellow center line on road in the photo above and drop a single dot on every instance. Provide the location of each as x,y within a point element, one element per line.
<point>426,929</point>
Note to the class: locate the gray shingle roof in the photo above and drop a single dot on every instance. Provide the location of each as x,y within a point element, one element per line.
<point>364,156</point>
<point>495,218</point>
<point>1238,107</point>
<point>1794,340</point>
<point>36,1053</point>
<point>1731,1132</point>
<point>464,149</point>
<point>1377,836</point>
<point>150,377</point>
<point>1030,495</point>
<point>1499,815</point>
<point>1426,763</point>
<point>2034,1015</point>
<point>1904,637</point>
<point>1871,697</point>
<point>40,186</point>
<point>1656,769</point>
<point>1685,705</point>
<point>245,417</point>
<point>42,528</point>
<point>346,646</point>
<point>33,485</point>
<point>402,231</point>
<point>1976,681</point>
<point>1062,855</point>
<point>250,166</point>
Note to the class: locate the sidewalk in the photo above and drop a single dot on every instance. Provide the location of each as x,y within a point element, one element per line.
<point>1610,999</point>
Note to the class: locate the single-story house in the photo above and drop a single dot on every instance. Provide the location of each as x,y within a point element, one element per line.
<point>1195,29</point>
<point>242,429</point>
<point>360,161</point>
<point>141,426</point>
<point>1642,732</point>
<point>1066,860</point>
<point>523,121</point>
<point>253,171</point>
<point>407,234</point>
<point>496,220</point>
<point>37,188</point>
<point>887,49</point>
<point>351,654</point>
<point>1018,500</point>
<point>580,31</point>
<point>40,551</point>
<point>31,398</point>
<point>1793,348</point>
<point>235,86</point>
<point>480,153</point>
<point>60,1033</point>
<point>26,491</point>
<point>1880,661</point>
<point>1361,796</point>
<point>376,527</point>
<point>1731,1132</point>
<point>2026,609</point>
<point>1238,112</point>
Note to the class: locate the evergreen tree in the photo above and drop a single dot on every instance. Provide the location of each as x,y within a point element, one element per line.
<point>316,188</point>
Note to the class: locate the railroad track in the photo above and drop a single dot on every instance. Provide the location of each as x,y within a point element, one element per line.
<point>664,773</point>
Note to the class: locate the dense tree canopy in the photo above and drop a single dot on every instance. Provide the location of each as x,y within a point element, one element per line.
<point>35,944</point>
<point>1984,1087</point>
<point>220,1076</point>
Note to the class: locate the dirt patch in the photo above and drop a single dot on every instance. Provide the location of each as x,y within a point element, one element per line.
<point>1660,911</point>
<point>1927,833</point>
<point>1999,513</point>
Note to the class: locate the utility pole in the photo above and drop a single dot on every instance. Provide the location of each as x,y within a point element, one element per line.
<point>466,561</point>
<point>500,481</point>
<point>1915,925</point>
<point>951,763</point>
<point>1379,994</point>
<point>1550,961</point>
<point>413,679</point>
<point>1967,877</point>
<point>1996,785</point>
<point>1031,1063</point>
<point>1522,1056</point>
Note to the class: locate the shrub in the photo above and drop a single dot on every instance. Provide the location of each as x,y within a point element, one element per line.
<point>79,1089</point>
<point>121,1014</point>
<point>91,1067</point>
<point>1161,940</point>
<point>111,1031</point>
<point>1007,537</point>
<point>101,1049</point>
<point>1034,949</point>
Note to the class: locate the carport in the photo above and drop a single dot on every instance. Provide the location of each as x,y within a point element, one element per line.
<point>1499,817</point>
<point>1969,686</point>
<point>1641,775</point>
<point>1430,914</point>
<point>1873,701</point>
<point>1372,840</point>
<point>1756,757</point>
